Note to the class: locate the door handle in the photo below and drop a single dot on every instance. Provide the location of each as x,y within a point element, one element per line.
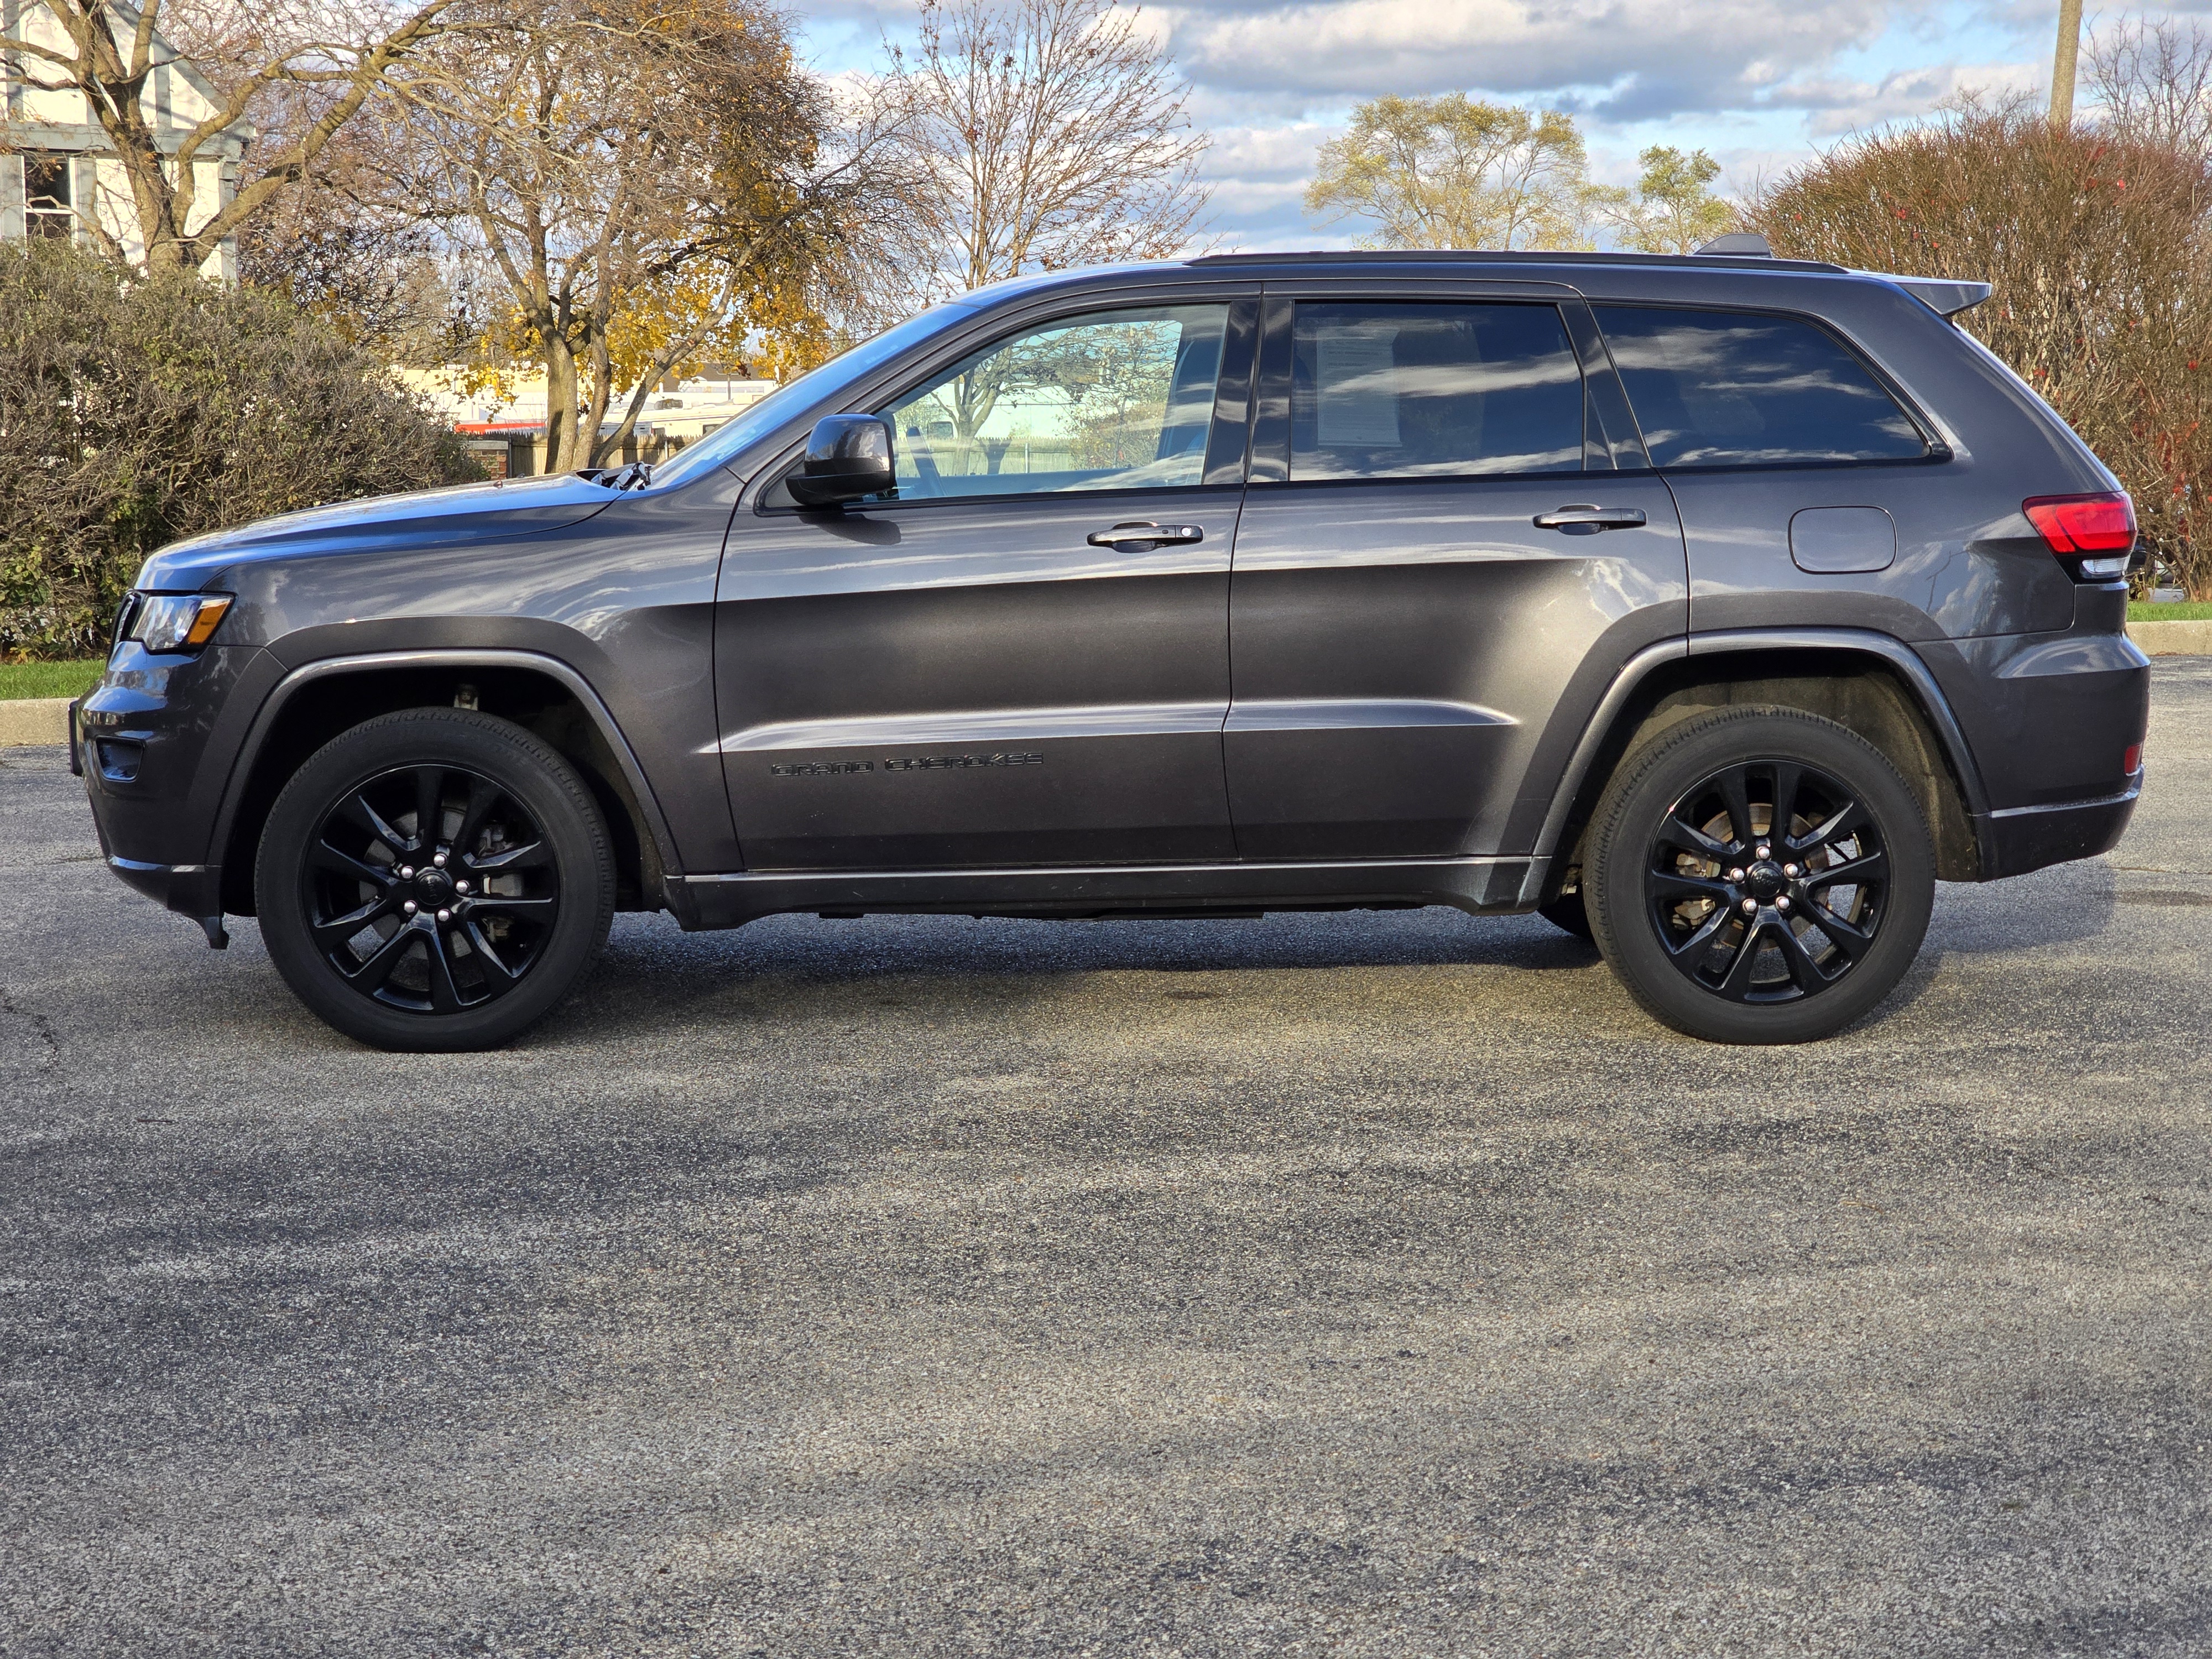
<point>1145,533</point>
<point>1596,518</point>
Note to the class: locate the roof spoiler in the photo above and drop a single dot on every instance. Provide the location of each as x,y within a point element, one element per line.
<point>1941,294</point>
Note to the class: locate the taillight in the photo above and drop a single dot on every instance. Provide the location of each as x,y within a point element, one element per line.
<point>2102,526</point>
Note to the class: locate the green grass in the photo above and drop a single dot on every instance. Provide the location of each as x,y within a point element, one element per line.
<point>2180,610</point>
<point>48,679</point>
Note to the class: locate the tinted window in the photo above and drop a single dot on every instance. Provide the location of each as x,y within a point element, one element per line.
<point>1732,388</point>
<point>1116,400</point>
<point>796,397</point>
<point>1386,390</point>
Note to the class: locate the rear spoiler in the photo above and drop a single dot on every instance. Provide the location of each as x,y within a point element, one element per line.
<point>1942,295</point>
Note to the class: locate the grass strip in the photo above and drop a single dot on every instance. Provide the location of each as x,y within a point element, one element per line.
<point>2182,611</point>
<point>19,680</point>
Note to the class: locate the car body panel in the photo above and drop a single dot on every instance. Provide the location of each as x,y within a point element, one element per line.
<point>968,682</point>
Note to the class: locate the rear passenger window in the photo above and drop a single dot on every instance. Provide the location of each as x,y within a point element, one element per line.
<point>1736,388</point>
<point>1387,391</point>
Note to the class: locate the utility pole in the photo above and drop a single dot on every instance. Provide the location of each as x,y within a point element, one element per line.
<point>2063,70</point>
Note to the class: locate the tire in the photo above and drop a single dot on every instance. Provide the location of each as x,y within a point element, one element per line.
<point>1674,853</point>
<point>501,908</point>
<point>1568,914</point>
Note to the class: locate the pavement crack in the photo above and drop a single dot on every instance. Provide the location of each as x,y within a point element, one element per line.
<point>41,1027</point>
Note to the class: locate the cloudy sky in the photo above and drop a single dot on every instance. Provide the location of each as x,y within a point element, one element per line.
<point>1758,83</point>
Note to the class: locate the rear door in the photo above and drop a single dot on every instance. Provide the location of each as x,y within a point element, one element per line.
<point>1022,658</point>
<point>1448,528</point>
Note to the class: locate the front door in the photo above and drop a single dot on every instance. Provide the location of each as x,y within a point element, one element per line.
<point>1023,658</point>
<point>1439,541</point>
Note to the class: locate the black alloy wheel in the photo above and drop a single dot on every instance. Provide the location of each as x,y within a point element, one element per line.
<point>430,888</point>
<point>1765,882</point>
<point>1759,875</point>
<point>436,879</point>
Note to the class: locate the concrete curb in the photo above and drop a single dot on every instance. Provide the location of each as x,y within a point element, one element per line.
<point>25,721</point>
<point>2173,639</point>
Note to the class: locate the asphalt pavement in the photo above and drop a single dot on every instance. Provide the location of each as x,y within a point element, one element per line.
<point>1345,1286</point>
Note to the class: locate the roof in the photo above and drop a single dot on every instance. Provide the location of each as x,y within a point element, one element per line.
<point>1945,296</point>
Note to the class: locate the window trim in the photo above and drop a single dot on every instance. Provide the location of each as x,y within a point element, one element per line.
<point>1271,426</point>
<point>1934,450</point>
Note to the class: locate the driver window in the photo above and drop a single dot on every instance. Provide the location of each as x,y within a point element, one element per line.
<point>1114,400</point>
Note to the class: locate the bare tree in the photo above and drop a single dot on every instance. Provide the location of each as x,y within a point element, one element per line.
<point>1454,171</point>
<point>1043,133</point>
<point>645,178</point>
<point>337,53</point>
<point>2155,80</point>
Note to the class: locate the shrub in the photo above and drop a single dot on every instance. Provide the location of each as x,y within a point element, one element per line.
<point>135,411</point>
<point>2098,249</point>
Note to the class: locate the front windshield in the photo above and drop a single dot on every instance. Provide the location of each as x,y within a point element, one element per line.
<point>817,386</point>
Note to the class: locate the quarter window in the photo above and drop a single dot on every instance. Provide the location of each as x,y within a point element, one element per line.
<point>1399,391</point>
<point>1115,400</point>
<point>1732,388</point>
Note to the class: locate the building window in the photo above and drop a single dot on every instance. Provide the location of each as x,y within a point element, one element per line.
<point>48,209</point>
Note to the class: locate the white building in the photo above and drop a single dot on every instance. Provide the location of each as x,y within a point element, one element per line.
<point>59,173</point>
<point>505,431</point>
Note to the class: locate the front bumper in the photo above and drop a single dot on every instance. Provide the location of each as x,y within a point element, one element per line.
<point>190,889</point>
<point>2020,839</point>
<point>141,740</point>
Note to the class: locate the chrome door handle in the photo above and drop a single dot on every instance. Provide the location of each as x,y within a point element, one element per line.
<point>1597,517</point>
<point>1145,533</point>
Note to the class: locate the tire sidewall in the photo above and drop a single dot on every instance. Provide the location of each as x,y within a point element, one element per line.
<point>545,784</point>
<point>1646,787</point>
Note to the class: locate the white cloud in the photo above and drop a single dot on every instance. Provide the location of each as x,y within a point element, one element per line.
<point>1627,59</point>
<point>1838,106</point>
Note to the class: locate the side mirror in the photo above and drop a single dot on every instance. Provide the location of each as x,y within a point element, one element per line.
<point>847,456</point>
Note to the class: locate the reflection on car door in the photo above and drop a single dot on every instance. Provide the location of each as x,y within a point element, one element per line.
<point>1436,544</point>
<point>1023,657</point>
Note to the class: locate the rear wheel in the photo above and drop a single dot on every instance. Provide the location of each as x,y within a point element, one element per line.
<point>436,879</point>
<point>1759,875</point>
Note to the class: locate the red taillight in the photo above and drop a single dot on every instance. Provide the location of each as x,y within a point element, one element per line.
<point>2103,523</point>
<point>2131,761</point>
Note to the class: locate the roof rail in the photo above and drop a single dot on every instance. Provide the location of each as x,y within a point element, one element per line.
<point>1945,296</point>
<point>1740,242</point>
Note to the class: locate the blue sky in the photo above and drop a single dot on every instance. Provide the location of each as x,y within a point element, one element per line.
<point>1760,84</point>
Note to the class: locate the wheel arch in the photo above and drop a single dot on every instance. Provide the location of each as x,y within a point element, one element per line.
<point>319,701</point>
<point>1871,684</point>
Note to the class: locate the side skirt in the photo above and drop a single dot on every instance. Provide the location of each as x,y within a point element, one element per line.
<point>1476,885</point>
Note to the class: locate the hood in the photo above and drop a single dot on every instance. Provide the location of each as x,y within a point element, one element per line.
<point>423,517</point>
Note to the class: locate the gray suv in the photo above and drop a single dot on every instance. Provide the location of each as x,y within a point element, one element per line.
<point>1714,607</point>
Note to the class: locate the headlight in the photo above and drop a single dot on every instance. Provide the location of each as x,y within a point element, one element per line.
<point>169,622</point>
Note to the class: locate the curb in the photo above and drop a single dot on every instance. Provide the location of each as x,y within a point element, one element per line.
<point>2173,639</point>
<point>25,720</point>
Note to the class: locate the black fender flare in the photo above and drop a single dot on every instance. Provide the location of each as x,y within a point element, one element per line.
<point>674,893</point>
<point>1857,641</point>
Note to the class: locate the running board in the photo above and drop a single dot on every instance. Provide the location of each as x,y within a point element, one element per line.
<point>1476,885</point>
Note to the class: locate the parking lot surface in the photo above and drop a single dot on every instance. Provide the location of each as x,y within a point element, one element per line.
<point>1348,1285</point>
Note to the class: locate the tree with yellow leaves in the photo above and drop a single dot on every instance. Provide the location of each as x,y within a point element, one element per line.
<point>1453,172</point>
<point>652,182</point>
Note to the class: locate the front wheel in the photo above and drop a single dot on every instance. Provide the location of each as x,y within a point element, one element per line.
<point>1759,875</point>
<point>434,880</point>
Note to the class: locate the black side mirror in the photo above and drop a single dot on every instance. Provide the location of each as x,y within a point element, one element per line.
<point>847,456</point>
